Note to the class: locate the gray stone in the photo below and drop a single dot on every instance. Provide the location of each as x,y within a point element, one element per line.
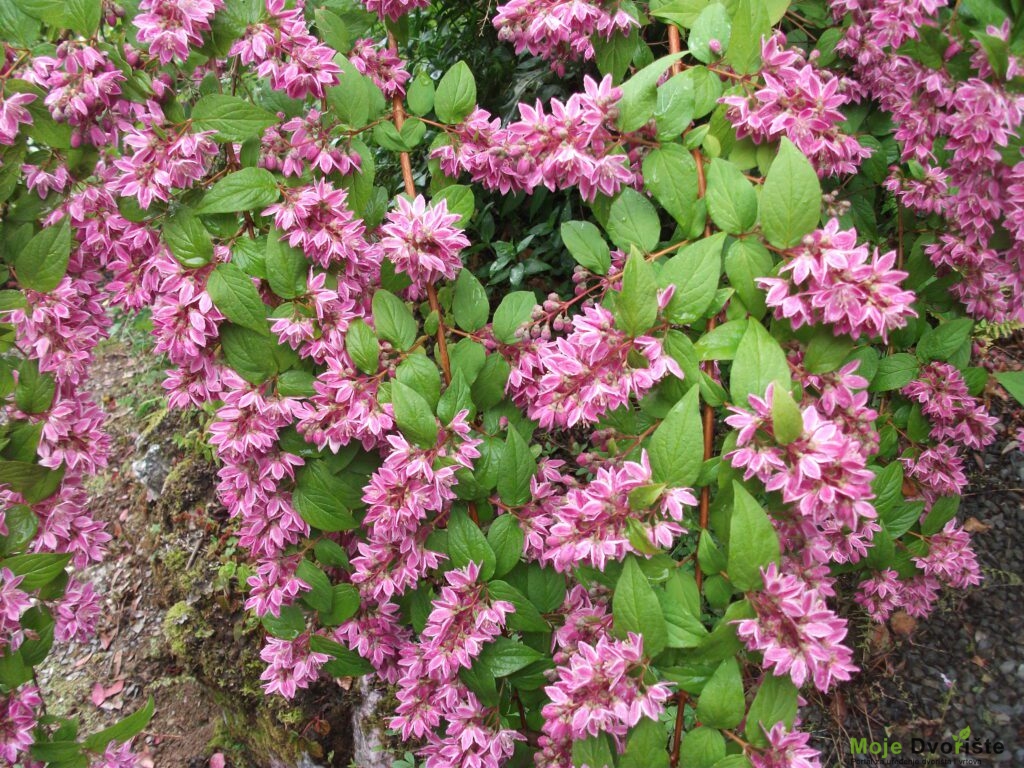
<point>152,470</point>
<point>368,750</point>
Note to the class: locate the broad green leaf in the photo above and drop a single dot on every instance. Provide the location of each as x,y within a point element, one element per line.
<point>235,295</point>
<point>790,198</point>
<point>759,361</point>
<point>646,746</point>
<point>695,272</point>
<point>731,199</point>
<point>244,190</point>
<point>249,353</point>
<point>593,752</point>
<point>506,539</point>
<point>894,372</point>
<point>640,94</point>
<point>286,267</point>
<point>317,498</point>
<point>332,30</point>
<point>584,241</point>
<point>674,111</point>
<point>456,94</point>
<point>753,542</point>
<point>702,747</point>
<point>613,55</point>
<point>123,730</point>
<point>362,346</point>
<point>526,617</point>
<point>232,117</point>
<point>187,239</point>
<point>460,200</point>
<point>751,23</point>
<point>943,341</point>
<point>512,313</point>
<point>35,390</point>
<point>36,569</point>
<point>680,603</point>
<point>746,261</point>
<point>636,305</point>
<point>775,702</point>
<point>506,656</point>
<point>633,221</point>
<point>517,468</point>
<point>635,608</point>
<point>676,449</point>
<point>421,374</point>
<point>467,543</point>
<point>721,703</point>
<point>393,320</point>
<point>787,419</point>
<point>1013,382</point>
<point>42,263</point>
<point>83,16</point>
<point>420,97</point>
<point>713,24</point>
<point>670,174</point>
<point>413,414</point>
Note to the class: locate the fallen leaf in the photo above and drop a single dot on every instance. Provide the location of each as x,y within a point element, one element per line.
<point>97,694</point>
<point>980,661</point>
<point>217,760</point>
<point>903,623</point>
<point>974,525</point>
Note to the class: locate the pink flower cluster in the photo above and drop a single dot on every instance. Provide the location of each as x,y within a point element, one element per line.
<point>172,27</point>
<point>802,103</point>
<point>572,146</point>
<point>423,242</point>
<point>972,119</point>
<point>393,9</point>
<point>830,279</point>
<point>13,115</point>
<point>382,65</point>
<point>797,632</point>
<point>822,475</point>
<point>577,378</point>
<point>309,143</point>
<point>283,49</point>
<point>958,421</point>
<point>560,30</point>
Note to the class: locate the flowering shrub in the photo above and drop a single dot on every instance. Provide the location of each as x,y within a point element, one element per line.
<point>623,523</point>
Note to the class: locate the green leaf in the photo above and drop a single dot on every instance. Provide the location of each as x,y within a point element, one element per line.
<point>775,702</point>
<point>942,342</point>
<point>320,597</point>
<point>746,261</point>
<point>235,295</point>
<point>35,390</point>
<point>83,16</point>
<point>512,313</point>
<point>244,190</point>
<point>470,305</point>
<point>317,498</point>
<point>594,752</point>
<point>633,221</point>
<point>232,117</point>
<point>584,242</point>
<point>672,116</point>
<point>759,361</point>
<point>753,542</point>
<point>420,96</point>
<point>635,608</point>
<point>36,569</point>
<point>296,384</point>
<point>286,267</point>
<point>362,346</point>
<point>467,543</point>
<point>1012,382</point>
<point>456,94</point>
<point>249,353</point>
<point>721,703</point>
<point>713,23</point>
<point>791,198</point>
<point>332,29</point>
<point>695,271</point>
<point>636,305</point>
<point>187,239</point>
<point>287,625</point>
<point>722,342</point>
<point>345,603</point>
<point>413,415</point>
<point>393,320</point>
<point>517,468</point>
<point>122,731</point>
<point>826,351</point>
<point>613,55</point>
<point>458,396</point>
<point>460,200</point>
<point>526,617</point>
<point>731,199</point>
<point>894,372</point>
<point>670,174</point>
<point>676,449</point>
<point>505,656</point>
<point>640,94</point>
<point>787,419</point>
<point>421,374</point>
<point>750,23</point>
<point>942,511</point>
<point>42,263</point>
<point>646,746</point>
<point>680,603</point>
<point>32,481</point>
<point>701,748</point>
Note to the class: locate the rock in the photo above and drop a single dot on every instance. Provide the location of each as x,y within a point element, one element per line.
<point>152,470</point>
<point>368,750</point>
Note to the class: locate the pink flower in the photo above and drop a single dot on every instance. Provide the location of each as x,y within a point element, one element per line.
<point>117,755</point>
<point>880,595</point>
<point>797,632</point>
<point>77,612</point>
<point>291,665</point>
<point>423,242</point>
<point>13,114</point>
<point>382,65</point>
<point>13,603</point>
<point>787,749</point>
<point>393,9</point>
<point>171,27</point>
<point>17,720</point>
<point>950,558</point>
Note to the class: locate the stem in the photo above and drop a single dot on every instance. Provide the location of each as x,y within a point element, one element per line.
<point>677,733</point>
<point>398,115</point>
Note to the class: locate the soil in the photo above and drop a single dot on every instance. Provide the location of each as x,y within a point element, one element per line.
<point>173,627</point>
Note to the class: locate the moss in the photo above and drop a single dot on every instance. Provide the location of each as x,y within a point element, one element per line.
<point>184,629</point>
